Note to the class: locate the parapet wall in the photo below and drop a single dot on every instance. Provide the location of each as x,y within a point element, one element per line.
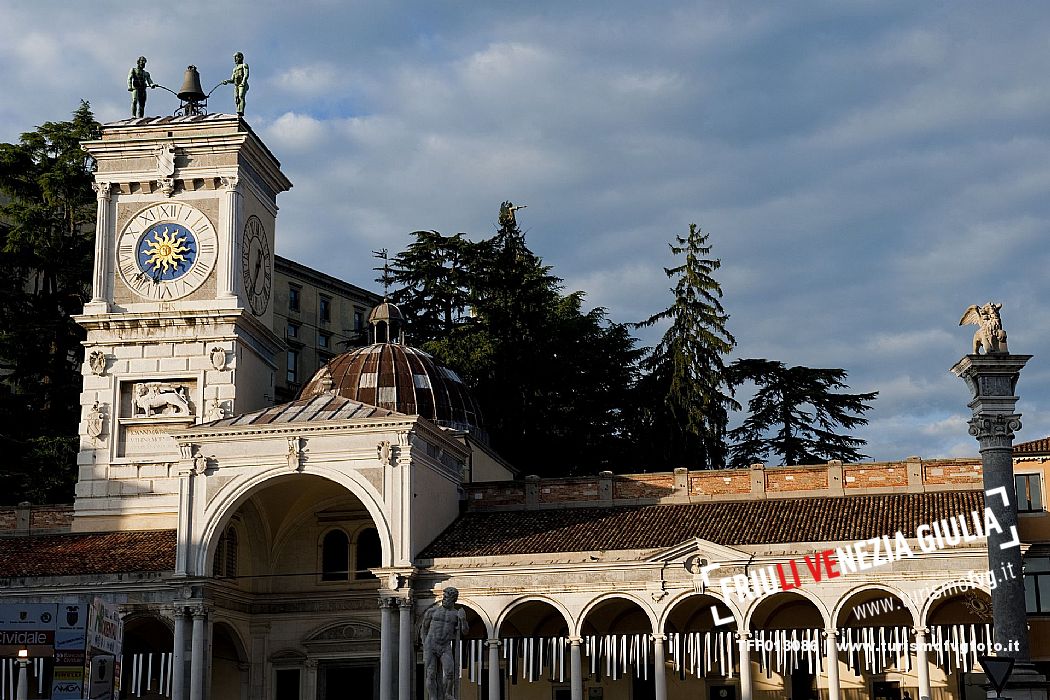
<point>913,475</point>
<point>24,519</point>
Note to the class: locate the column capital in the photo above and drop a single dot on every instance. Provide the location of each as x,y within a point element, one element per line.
<point>490,643</point>
<point>310,664</point>
<point>387,603</point>
<point>198,610</point>
<point>658,637</point>
<point>743,635</point>
<point>995,430</point>
<point>832,632</point>
<point>405,602</point>
<point>920,630</point>
<point>230,182</point>
<point>103,190</point>
<point>575,641</point>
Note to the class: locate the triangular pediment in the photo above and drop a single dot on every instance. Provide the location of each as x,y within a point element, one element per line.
<point>711,551</point>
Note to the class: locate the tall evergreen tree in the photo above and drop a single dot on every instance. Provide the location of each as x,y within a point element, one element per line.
<point>794,414</point>
<point>46,252</point>
<point>432,284</point>
<point>684,398</point>
<point>550,378</point>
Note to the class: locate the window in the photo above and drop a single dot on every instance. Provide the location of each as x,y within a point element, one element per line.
<point>286,684</point>
<point>324,340</point>
<point>359,320</point>
<point>293,366</point>
<point>1037,585</point>
<point>324,309</point>
<point>369,553</point>
<point>335,556</point>
<point>1029,493</point>
<point>225,562</point>
<point>293,298</point>
<point>293,330</point>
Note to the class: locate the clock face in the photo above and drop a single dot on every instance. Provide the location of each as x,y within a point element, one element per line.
<point>255,265</point>
<point>166,251</point>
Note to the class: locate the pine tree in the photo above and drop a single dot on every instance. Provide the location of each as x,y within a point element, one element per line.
<point>683,394</point>
<point>794,414</point>
<point>46,252</point>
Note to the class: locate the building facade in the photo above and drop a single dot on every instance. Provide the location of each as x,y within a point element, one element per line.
<point>289,551</point>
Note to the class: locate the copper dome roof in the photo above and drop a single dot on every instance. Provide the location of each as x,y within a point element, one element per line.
<point>399,378</point>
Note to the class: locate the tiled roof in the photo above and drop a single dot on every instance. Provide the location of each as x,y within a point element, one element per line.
<point>88,553</point>
<point>326,406</point>
<point>1033,447</point>
<point>729,523</point>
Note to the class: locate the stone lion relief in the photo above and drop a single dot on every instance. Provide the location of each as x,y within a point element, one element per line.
<point>161,399</point>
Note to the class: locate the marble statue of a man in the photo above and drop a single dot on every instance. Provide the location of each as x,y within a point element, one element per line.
<point>443,624</point>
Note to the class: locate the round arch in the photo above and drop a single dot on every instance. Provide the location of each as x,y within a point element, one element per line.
<point>524,600</point>
<point>849,596</point>
<point>749,616</point>
<point>685,596</point>
<point>490,631</point>
<point>606,597</point>
<point>231,496</point>
<point>957,587</point>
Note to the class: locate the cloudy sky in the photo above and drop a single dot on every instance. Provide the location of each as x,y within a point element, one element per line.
<point>866,170</point>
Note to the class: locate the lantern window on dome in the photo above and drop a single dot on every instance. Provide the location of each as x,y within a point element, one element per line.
<point>369,380</point>
<point>421,381</point>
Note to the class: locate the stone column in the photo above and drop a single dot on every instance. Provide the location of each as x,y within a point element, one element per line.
<point>386,648</point>
<point>197,648</point>
<point>309,679</point>
<point>659,668</point>
<point>832,663</point>
<point>178,655</point>
<point>103,223</point>
<point>494,676</point>
<point>230,235</point>
<point>922,663</point>
<point>406,656</point>
<point>992,379</point>
<point>257,669</point>
<point>745,665</point>
<point>575,669</point>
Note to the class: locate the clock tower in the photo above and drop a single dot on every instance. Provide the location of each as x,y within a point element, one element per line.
<point>179,327</point>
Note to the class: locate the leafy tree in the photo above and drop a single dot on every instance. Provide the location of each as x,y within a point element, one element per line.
<point>683,396</point>
<point>46,252</point>
<point>794,414</point>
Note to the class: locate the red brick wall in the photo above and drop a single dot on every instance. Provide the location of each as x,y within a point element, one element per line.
<point>496,494</point>
<point>860,476</point>
<point>797,479</point>
<point>643,486</point>
<point>40,518</point>
<point>952,472</point>
<point>567,490</point>
<point>720,482</point>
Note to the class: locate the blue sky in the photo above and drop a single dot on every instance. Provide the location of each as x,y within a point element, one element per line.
<point>866,170</point>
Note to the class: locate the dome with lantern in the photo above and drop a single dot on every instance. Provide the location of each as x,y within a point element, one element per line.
<point>392,375</point>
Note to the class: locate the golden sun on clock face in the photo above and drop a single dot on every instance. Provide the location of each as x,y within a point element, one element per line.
<point>166,251</point>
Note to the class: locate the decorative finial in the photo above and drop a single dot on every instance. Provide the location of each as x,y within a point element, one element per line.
<point>990,334</point>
